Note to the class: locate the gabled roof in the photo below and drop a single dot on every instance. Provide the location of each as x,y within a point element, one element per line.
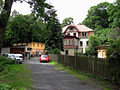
<point>79,28</point>
<point>83,28</point>
<point>66,27</point>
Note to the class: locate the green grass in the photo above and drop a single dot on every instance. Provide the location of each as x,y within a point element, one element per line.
<point>17,76</point>
<point>86,77</point>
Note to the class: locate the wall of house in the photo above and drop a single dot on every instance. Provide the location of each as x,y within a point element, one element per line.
<point>84,44</point>
<point>17,50</point>
<point>5,50</point>
<point>90,33</point>
<point>37,48</point>
<point>71,51</point>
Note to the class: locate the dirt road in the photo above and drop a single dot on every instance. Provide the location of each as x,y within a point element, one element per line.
<point>46,77</point>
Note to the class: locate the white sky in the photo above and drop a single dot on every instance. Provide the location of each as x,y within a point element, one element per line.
<point>65,8</point>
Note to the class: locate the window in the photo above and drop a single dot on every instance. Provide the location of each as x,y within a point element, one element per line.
<point>87,43</point>
<point>84,35</point>
<point>69,42</point>
<point>75,34</point>
<point>66,52</point>
<point>70,28</point>
<point>33,45</point>
<point>38,44</point>
<point>81,43</point>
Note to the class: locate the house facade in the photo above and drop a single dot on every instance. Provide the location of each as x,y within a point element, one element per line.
<point>34,48</point>
<point>81,32</point>
<point>70,45</point>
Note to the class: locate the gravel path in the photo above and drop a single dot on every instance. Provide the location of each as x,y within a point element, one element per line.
<point>45,77</point>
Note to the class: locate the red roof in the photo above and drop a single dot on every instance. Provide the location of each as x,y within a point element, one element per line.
<point>79,28</point>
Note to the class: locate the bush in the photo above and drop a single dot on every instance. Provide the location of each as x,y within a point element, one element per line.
<point>5,61</point>
<point>5,87</point>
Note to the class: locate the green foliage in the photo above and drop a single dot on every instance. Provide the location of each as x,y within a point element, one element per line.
<point>93,42</point>
<point>5,87</point>
<point>54,41</point>
<point>114,49</point>
<point>29,28</point>
<point>5,61</point>
<point>25,28</point>
<point>114,33</point>
<point>97,16</point>
<point>39,9</point>
<point>67,21</point>
<point>114,14</point>
<point>16,76</point>
<point>1,5</point>
<point>103,18</point>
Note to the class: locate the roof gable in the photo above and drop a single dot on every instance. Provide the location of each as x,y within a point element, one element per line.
<point>79,28</point>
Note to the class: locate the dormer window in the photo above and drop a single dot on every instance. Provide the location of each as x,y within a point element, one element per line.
<point>70,28</point>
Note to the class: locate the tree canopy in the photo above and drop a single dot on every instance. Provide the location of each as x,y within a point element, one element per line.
<point>67,21</point>
<point>104,19</point>
<point>97,16</point>
<point>28,28</point>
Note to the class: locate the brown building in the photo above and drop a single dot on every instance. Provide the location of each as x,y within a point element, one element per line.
<point>70,45</point>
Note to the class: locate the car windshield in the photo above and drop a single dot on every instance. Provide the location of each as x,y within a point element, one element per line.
<point>12,55</point>
<point>44,56</point>
<point>19,56</point>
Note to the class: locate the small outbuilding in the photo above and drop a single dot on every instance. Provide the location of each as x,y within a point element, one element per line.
<point>102,51</point>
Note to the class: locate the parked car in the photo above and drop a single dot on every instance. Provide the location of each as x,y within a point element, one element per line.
<point>19,58</point>
<point>44,58</point>
<point>12,56</point>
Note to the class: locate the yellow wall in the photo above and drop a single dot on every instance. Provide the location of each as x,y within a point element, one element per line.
<point>35,47</point>
<point>101,53</point>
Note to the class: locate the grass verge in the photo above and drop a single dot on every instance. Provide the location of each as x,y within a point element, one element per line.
<point>86,77</point>
<point>16,76</point>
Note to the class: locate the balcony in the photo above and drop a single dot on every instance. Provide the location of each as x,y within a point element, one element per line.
<point>84,36</point>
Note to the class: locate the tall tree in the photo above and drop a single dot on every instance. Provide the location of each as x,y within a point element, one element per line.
<point>114,14</point>
<point>4,16</point>
<point>54,42</point>
<point>67,21</point>
<point>39,7</point>
<point>25,28</point>
<point>97,16</point>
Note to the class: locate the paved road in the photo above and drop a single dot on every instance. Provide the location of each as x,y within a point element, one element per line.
<point>47,78</point>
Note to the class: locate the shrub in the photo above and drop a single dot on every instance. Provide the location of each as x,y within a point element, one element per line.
<point>5,61</point>
<point>5,87</point>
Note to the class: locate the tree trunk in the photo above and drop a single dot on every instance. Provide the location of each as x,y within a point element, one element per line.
<point>4,16</point>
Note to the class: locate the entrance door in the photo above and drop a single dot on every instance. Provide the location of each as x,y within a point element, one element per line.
<point>66,52</point>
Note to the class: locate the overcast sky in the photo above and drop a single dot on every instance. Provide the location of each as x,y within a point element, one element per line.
<point>65,8</point>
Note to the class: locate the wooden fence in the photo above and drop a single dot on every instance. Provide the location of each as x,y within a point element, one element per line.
<point>109,69</point>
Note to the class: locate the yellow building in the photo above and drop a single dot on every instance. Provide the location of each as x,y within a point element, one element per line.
<point>34,48</point>
<point>102,51</point>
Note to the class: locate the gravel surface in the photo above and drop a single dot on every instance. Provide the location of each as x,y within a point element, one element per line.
<point>46,77</point>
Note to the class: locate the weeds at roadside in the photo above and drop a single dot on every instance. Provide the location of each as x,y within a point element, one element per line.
<point>15,77</point>
<point>87,77</point>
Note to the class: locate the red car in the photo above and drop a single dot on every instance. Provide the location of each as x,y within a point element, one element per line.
<point>44,58</point>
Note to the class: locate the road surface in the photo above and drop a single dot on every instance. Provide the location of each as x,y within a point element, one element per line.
<point>46,77</point>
